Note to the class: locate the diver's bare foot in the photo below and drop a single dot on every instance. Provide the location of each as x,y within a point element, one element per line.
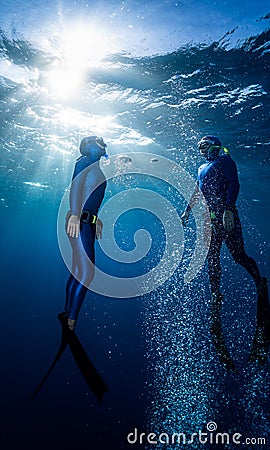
<point>71,324</point>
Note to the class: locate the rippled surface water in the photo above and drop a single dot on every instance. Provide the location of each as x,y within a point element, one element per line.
<point>155,351</point>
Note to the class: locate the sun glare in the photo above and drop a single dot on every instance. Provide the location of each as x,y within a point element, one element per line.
<point>85,45</point>
<point>76,50</point>
<point>64,82</point>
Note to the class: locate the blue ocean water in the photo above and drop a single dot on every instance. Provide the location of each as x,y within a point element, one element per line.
<point>154,351</point>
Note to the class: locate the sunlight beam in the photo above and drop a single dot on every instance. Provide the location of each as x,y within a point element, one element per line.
<point>78,48</point>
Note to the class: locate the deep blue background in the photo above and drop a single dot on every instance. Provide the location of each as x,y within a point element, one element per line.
<point>155,352</point>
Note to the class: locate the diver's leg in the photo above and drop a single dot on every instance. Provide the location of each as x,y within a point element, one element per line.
<point>77,296</point>
<point>71,280</point>
<point>83,254</point>
<point>213,259</point>
<point>235,243</point>
<point>69,285</point>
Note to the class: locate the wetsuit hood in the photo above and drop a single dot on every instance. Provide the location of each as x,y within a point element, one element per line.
<point>209,147</point>
<point>93,147</point>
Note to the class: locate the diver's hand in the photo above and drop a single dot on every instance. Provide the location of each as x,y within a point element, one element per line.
<point>184,218</point>
<point>228,220</point>
<point>99,228</point>
<point>73,226</point>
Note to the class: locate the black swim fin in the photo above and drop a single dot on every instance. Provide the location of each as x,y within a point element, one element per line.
<point>261,340</point>
<point>86,367</point>
<point>60,351</point>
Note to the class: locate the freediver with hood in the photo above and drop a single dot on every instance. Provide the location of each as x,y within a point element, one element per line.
<point>218,182</point>
<point>82,223</point>
<point>82,226</point>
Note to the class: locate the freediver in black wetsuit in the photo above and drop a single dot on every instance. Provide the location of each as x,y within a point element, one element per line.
<point>218,182</point>
<point>82,225</point>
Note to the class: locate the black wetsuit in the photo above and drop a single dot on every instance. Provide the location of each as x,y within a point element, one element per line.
<point>87,192</point>
<point>218,181</point>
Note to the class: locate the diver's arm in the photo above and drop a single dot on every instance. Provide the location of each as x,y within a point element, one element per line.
<point>76,199</point>
<point>77,188</point>
<point>192,202</point>
<point>230,172</point>
<point>94,179</point>
<point>231,175</point>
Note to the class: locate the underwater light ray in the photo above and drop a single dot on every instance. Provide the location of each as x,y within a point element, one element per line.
<point>77,48</point>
